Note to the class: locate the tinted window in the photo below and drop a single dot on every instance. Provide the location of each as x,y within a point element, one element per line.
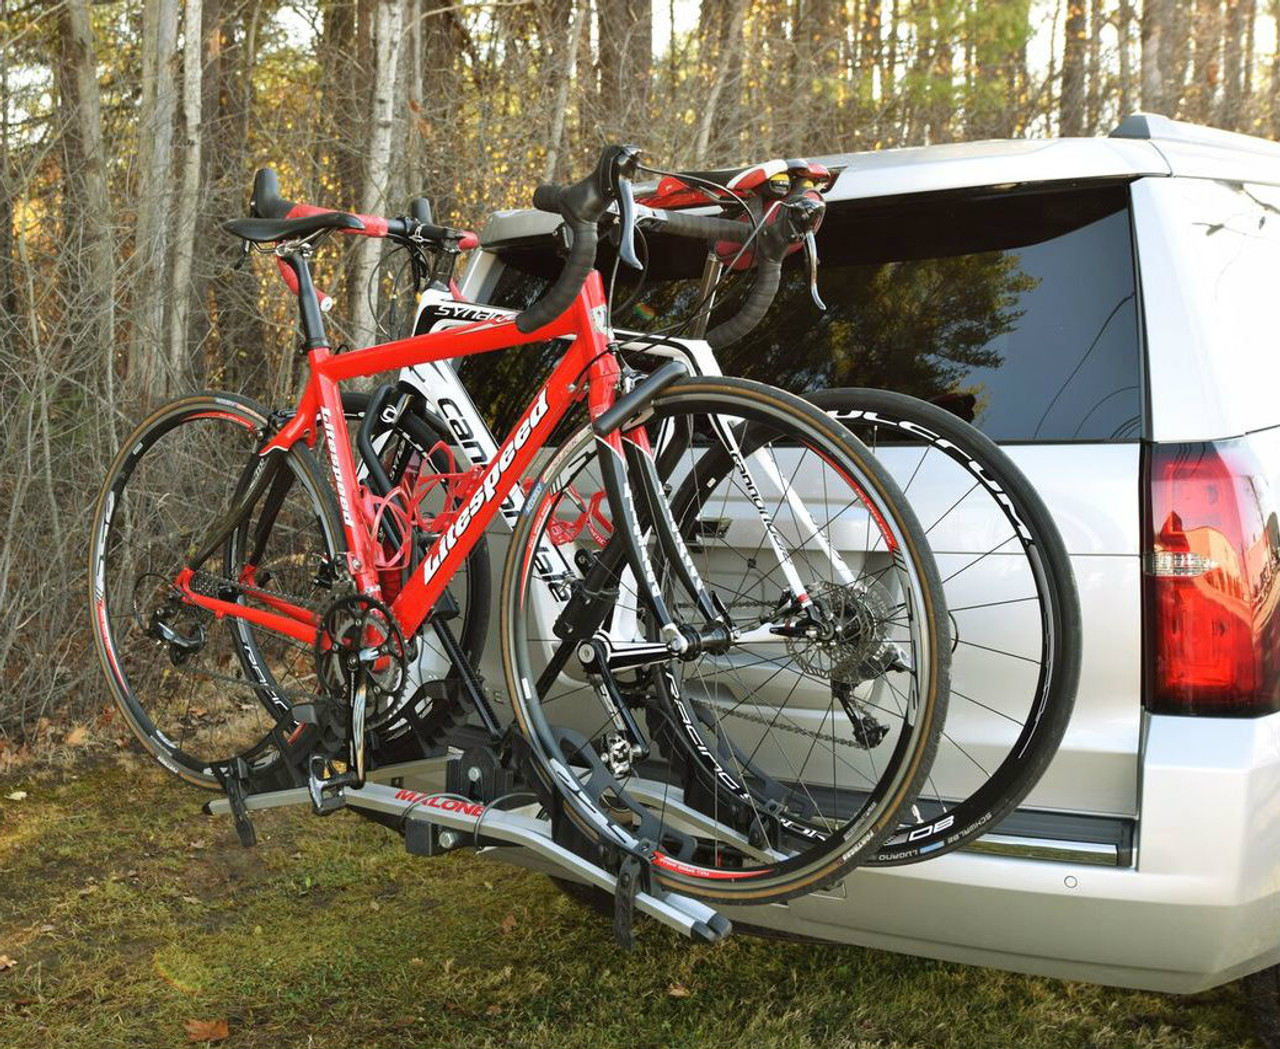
<point>1015,310</point>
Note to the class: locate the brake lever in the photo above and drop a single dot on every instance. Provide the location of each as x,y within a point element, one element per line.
<point>622,168</point>
<point>627,231</point>
<point>811,256</point>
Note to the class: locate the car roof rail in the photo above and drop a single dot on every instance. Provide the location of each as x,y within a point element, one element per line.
<point>1154,126</point>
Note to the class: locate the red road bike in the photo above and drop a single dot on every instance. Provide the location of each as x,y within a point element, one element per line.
<point>259,617</point>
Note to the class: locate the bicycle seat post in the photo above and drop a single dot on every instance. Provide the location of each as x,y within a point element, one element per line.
<point>313,333</point>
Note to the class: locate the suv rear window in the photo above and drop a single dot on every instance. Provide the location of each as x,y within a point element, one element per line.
<point>1015,310</point>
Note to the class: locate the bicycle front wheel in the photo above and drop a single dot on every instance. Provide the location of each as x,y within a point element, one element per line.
<point>773,762</point>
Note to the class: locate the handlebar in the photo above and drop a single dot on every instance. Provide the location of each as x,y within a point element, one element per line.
<point>582,206</point>
<point>784,225</point>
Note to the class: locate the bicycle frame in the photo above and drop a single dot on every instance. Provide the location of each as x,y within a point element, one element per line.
<point>587,370</point>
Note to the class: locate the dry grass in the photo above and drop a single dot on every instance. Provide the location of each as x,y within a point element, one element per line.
<point>128,914</point>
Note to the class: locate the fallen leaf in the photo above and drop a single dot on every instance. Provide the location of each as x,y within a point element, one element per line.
<point>493,1010</point>
<point>206,1030</point>
<point>190,899</point>
<point>17,795</point>
<point>678,990</point>
<point>6,962</point>
<point>77,736</point>
<point>405,1021</point>
<point>508,923</point>
<point>198,712</point>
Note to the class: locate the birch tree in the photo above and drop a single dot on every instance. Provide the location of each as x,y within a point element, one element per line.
<point>186,212</point>
<point>80,74</point>
<point>388,19</point>
<point>159,41</point>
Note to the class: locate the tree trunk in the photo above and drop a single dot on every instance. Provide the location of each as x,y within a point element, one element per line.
<point>1125,33</point>
<point>564,75</point>
<point>388,18</point>
<point>1093,93</point>
<point>159,40</point>
<point>187,212</point>
<point>624,30</point>
<point>1071,108</point>
<point>81,77</point>
<point>8,285</point>
<point>1273,107</point>
<point>728,66</point>
<point>1206,69</point>
<point>1158,55</point>
<point>1231,111</point>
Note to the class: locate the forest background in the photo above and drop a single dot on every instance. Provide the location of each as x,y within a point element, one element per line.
<point>130,129</point>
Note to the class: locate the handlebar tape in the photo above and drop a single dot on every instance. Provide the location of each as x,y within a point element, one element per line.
<point>577,268</point>
<point>548,197</point>
<point>768,277</point>
<point>704,227</point>
<point>582,206</point>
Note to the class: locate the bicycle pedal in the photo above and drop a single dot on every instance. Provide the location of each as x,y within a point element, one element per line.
<point>326,793</point>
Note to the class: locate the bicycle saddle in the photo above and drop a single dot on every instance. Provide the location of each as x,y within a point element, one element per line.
<point>262,231</point>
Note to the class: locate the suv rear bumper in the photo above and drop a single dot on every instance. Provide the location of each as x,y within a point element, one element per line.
<point>1200,907</point>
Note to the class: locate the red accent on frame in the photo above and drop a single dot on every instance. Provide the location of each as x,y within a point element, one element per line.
<point>291,282</point>
<point>303,615</point>
<point>283,624</point>
<point>587,354</point>
<point>230,417</point>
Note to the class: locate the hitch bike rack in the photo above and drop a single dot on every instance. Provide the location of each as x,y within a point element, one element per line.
<point>434,820</point>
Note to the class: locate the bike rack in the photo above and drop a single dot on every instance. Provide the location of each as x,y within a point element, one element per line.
<point>434,820</point>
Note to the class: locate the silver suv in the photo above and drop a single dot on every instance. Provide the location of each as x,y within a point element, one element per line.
<point>1105,309</point>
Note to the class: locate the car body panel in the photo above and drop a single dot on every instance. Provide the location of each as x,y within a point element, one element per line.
<point>1193,899</point>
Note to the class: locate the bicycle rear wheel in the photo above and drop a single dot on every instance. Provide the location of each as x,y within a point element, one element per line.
<point>1015,615</point>
<point>199,692</point>
<point>790,750</point>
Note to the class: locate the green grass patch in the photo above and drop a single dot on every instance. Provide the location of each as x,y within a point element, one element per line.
<point>127,913</point>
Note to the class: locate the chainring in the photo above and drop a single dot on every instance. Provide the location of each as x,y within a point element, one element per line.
<point>360,642</point>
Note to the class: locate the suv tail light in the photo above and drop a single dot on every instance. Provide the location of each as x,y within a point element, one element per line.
<point>1211,621</point>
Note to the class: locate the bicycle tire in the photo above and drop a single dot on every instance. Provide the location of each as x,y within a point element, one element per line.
<point>110,604</point>
<point>841,849</point>
<point>1054,695</point>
